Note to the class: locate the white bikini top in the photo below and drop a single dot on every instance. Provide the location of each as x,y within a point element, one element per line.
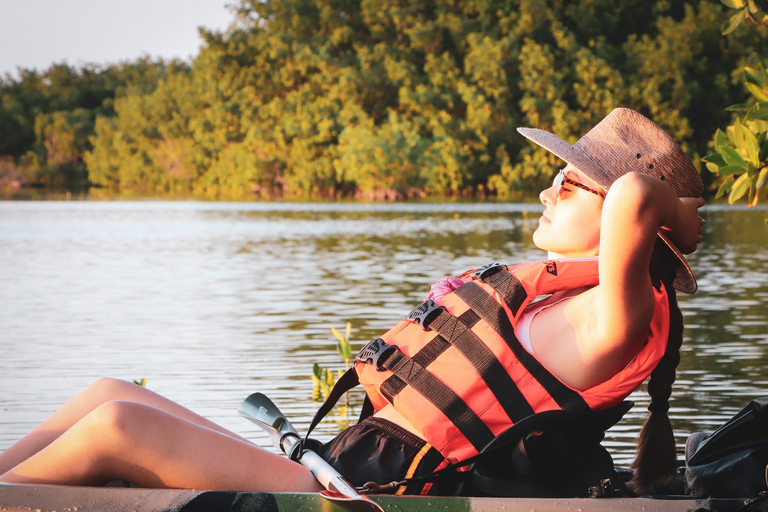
<point>523,327</point>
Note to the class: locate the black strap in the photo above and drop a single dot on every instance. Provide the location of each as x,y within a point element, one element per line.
<point>459,333</point>
<point>424,357</point>
<point>367,410</point>
<point>346,382</point>
<point>441,396</point>
<point>494,315</point>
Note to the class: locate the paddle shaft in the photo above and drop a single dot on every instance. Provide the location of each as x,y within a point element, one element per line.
<point>262,411</point>
<point>323,472</point>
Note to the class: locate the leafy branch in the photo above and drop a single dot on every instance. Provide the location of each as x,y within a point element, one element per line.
<point>747,9</point>
<point>741,151</point>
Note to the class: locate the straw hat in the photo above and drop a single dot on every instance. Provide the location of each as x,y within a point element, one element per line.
<point>626,141</point>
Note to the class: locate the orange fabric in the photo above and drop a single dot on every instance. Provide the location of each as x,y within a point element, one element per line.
<point>457,372</point>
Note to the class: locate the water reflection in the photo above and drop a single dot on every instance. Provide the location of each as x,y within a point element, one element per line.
<point>211,301</point>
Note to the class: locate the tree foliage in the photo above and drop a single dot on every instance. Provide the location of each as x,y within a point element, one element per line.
<point>47,118</point>
<point>385,99</point>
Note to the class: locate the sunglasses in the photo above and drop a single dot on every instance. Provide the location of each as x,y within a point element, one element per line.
<point>562,179</point>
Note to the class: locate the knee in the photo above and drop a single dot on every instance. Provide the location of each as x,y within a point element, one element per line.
<point>102,438</point>
<point>106,389</point>
<point>114,420</point>
<point>109,386</point>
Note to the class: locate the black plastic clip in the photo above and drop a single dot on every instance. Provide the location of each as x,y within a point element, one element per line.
<point>488,270</point>
<point>373,352</point>
<point>424,313</point>
<point>301,446</point>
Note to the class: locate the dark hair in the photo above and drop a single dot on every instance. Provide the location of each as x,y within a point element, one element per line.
<point>656,459</point>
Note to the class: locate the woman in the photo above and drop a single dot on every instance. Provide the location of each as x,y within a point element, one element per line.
<point>626,184</point>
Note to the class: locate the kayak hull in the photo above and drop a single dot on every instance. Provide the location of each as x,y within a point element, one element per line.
<point>26,498</point>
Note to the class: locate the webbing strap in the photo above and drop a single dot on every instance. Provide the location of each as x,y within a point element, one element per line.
<point>512,292</point>
<point>424,357</point>
<point>489,310</point>
<point>346,382</point>
<point>458,331</point>
<point>441,396</point>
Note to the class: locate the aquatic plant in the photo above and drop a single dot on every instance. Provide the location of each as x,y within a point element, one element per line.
<point>323,378</point>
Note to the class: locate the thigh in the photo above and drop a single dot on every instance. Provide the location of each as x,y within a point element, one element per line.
<point>152,448</point>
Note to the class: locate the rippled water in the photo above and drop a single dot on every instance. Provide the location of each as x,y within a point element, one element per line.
<point>212,301</point>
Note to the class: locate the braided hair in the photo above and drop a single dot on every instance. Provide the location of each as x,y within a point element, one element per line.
<point>656,459</point>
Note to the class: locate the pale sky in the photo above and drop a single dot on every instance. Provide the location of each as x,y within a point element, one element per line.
<point>37,33</point>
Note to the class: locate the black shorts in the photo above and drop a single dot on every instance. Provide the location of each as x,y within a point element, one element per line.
<point>377,450</point>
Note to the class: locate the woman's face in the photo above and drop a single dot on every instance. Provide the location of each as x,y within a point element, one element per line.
<point>570,224</point>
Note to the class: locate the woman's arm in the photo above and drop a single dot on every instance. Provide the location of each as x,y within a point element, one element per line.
<point>636,208</point>
<point>589,338</point>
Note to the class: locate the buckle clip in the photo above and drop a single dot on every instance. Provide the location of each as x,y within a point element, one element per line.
<point>424,313</point>
<point>488,270</point>
<point>373,352</point>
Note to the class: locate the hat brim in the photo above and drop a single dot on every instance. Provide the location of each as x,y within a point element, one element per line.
<point>570,154</point>
<point>684,281</point>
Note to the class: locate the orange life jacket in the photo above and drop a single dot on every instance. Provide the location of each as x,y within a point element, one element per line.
<point>455,370</point>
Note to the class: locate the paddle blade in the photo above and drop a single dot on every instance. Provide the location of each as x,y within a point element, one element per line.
<point>261,410</point>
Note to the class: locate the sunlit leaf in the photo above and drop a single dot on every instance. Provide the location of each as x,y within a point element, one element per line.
<point>738,138</point>
<point>338,335</point>
<point>720,139</point>
<point>740,187</point>
<point>730,170</point>
<point>739,107</point>
<point>715,159</point>
<point>732,157</point>
<point>733,23</point>
<point>761,178</point>
<point>757,92</point>
<point>753,148</point>
<point>724,188</point>
<point>759,112</point>
<point>754,76</point>
<point>733,4</point>
<point>752,7</point>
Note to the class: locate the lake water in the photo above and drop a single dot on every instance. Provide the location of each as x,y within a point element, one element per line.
<point>213,301</point>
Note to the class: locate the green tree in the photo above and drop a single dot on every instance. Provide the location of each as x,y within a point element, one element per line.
<point>46,117</point>
<point>385,99</point>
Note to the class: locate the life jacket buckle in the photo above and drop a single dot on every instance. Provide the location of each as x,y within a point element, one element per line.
<point>488,270</point>
<point>424,313</point>
<point>373,352</point>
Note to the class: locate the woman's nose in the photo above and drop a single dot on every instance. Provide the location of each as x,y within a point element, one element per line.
<point>547,196</point>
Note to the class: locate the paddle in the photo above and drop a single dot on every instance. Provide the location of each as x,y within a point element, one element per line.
<point>260,410</point>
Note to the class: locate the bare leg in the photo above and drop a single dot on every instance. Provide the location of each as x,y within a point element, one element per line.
<point>98,393</point>
<point>152,448</point>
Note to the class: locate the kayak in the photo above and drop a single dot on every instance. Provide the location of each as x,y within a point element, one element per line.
<point>340,495</point>
<point>35,498</point>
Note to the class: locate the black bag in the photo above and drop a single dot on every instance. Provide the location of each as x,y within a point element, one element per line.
<point>731,462</point>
